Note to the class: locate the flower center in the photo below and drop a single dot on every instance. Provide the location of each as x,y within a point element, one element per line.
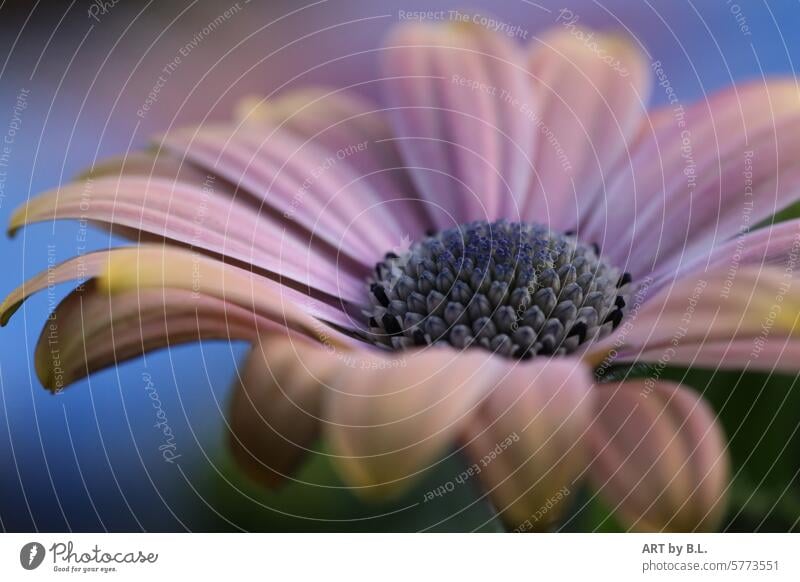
<point>514,288</point>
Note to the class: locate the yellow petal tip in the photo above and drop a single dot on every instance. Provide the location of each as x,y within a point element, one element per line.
<point>7,309</point>
<point>17,221</point>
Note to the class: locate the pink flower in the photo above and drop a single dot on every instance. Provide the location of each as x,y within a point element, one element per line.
<point>522,203</point>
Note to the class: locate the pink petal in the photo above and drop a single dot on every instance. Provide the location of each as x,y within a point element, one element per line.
<point>460,96</point>
<point>592,90</point>
<point>276,406</point>
<point>337,119</point>
<point>202,218</point>
<point>660,458</point>
<point>526,440</point>
<point>150,163</point>
<point>771,246</point>
<point>303,181</point>
<point>755,306</point>
<point>684,190</point>
<point>779,356</point>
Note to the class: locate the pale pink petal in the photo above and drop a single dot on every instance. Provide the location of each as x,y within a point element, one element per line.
<point>150,163</point>
<point>698,177</point>
<point>276,406</point>
<point>461,102</point>
<point>659,457</point>
<point>202,218</point>
<point>526,440</point>
<point>593,90</point>
<point>759,306</point>
<point>337,120</point>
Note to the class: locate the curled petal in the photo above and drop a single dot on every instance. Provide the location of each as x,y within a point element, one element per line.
<point>83,267</point>
<point>153,266</point>
<point>659,457</point>
<point>91,330</point>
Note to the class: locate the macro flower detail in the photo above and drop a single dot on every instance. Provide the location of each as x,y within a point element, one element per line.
<point>515,289</point>
<point>487,252</point>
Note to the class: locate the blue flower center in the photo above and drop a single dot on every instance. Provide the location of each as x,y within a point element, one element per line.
<point>517,289</point>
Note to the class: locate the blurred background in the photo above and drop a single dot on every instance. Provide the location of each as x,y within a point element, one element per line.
<point>74,82</point>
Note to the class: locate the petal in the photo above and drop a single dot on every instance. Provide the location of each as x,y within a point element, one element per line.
<point>201,218</point>
<point>149,266</point>
<point>153,266</point>
<point>526,440</point>
<point>694,177</point>
<point>326,114</point>
<point>152,163</point>
<point>389,417</point>
<point>91,330</point>
<point>759,306</point>
<point>659,457</point>
<point>770,245</point>
<point>780,355</point>
<point>593,89</point>
<point>276,406</point>
<point>337,119</point>
<point>461,103</point>
<point>307,184</point>
<point>81,267</point>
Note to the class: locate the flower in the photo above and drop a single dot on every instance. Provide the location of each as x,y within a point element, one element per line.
<point>520,202</point>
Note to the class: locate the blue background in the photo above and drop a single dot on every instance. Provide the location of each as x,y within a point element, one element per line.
<point>88,459</point>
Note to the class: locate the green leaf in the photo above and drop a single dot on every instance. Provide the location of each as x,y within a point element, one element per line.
<point>590,514</point>
<point>317,500</point>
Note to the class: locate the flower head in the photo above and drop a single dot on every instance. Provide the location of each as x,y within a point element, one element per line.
<point>515,289</point>
<point>462,268</point>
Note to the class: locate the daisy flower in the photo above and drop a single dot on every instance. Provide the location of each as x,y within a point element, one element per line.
<point>471,266</point>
